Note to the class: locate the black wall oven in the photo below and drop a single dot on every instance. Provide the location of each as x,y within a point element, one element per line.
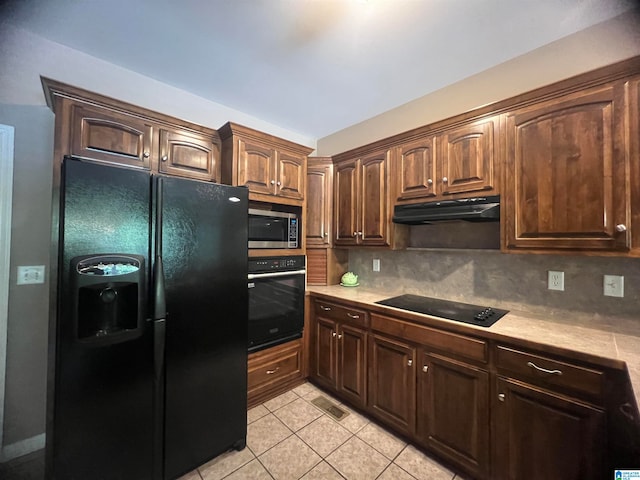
<point>276,300</point>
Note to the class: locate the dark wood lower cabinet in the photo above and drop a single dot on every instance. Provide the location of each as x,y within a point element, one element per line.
<point>392,382</point>
<point>339,359</point>
<point>540,435</point>
<point>453,412</point>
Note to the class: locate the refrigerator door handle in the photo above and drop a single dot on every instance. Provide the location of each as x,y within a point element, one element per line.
<point>159,299</point>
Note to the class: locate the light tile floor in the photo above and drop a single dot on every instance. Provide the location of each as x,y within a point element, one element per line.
<point>289,438</point>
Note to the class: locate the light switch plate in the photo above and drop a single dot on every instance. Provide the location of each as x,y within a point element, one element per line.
<point>30,274</point>
<point>613,285</point>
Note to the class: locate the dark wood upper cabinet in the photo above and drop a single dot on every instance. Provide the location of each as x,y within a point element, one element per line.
<point>186,154</point>
<point>319,202</point>
<point>102,129</point>
<point>274,169</point>
<point>361,200</point>
<point>541,435</point>
<point>567,184</point>
<point>467,158</point>
<point>346,179</point>
<point>416,170</point>
<point>106,135</point>
<point>460,160</point>
<point>256,167</point>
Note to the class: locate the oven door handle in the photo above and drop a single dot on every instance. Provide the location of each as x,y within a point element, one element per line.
<point>252,276</point>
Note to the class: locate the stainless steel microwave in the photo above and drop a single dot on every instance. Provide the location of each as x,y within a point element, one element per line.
<point>270,229</point>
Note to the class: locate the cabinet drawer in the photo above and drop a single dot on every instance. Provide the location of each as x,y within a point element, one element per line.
<point>460,345</point>
<point>273,366</point>
<point>342,313</point>
<point>549,372</point>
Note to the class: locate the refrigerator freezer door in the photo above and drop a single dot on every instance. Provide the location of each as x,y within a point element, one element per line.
<point>103,394</point>
<point>204,250</point>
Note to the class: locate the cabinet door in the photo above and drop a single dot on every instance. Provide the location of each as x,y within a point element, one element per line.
<point>540,435</point>
<point>346,203</point>
<point>188,154</point>
<point>106,135</point>
<point>566,184</point>
<point>324,369</point>
<point>256,167</point>
<point>467,158</point>
<point>290,177</point>
<point>373,201</point>
<point>416,170</point>
<point>453,412</point>
<point>351,363</point>
<point>319,205</point>
<point>392,382</point>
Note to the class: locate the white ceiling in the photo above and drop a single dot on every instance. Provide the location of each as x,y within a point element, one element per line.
<point>310,66</point>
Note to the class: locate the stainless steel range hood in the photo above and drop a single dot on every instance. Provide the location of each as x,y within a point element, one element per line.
<point>477,209</point>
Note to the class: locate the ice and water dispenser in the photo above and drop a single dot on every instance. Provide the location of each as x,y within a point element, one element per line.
<point>108,297</point>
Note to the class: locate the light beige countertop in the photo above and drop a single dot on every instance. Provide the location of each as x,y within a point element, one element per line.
<point>610,342</point>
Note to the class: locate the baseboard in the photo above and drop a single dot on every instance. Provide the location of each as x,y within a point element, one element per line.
<point>22,447</point>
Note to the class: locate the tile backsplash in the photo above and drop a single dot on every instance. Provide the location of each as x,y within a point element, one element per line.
<point>512,281</point>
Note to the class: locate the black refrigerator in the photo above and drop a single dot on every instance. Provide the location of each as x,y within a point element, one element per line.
<point>150,348</point>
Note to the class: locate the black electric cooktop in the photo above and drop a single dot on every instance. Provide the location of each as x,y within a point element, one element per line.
<point>460,312</point>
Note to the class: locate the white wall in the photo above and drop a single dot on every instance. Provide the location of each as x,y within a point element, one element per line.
<point>24,57</point>
<point>603,44</point>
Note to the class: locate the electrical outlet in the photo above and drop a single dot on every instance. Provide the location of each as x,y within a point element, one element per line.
<point>614,285</point>
<point>31,274</point>
<point>376,264</point>
<point>556,280</point>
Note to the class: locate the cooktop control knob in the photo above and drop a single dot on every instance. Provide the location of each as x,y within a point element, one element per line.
<point>484,314</point>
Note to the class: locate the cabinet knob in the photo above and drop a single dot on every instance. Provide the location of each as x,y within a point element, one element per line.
<point>340,337</point>
<point>409,362</point>
<point>164,158</point>
<point>445,179</point>
<point>429,182</point>
<point>326,234</point>
<point>360,233</point>
<point>621,228</point>
<point>273,182</point>
<point>333,334</point>
<point>501,397</point>
<point>278,183</point>
<point>146,154</point>
<point>425,368</point>
<point>355,234</point>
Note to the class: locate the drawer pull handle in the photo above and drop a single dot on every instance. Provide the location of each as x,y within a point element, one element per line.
<point>409,362</point>
<point>501,397</point>
<point>271,372</point>
<point>544,370</point>
<point>351,315</point>
<point>326,309</point>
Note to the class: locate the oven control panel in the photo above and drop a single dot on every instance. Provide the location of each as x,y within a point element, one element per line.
<point>276,264</point>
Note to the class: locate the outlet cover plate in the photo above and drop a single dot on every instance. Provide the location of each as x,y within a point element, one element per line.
<point>376,264</point>
<point>556,281</point>
<point>613,285</point>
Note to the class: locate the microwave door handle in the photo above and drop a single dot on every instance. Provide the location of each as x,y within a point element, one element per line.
<point>252,276</point>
